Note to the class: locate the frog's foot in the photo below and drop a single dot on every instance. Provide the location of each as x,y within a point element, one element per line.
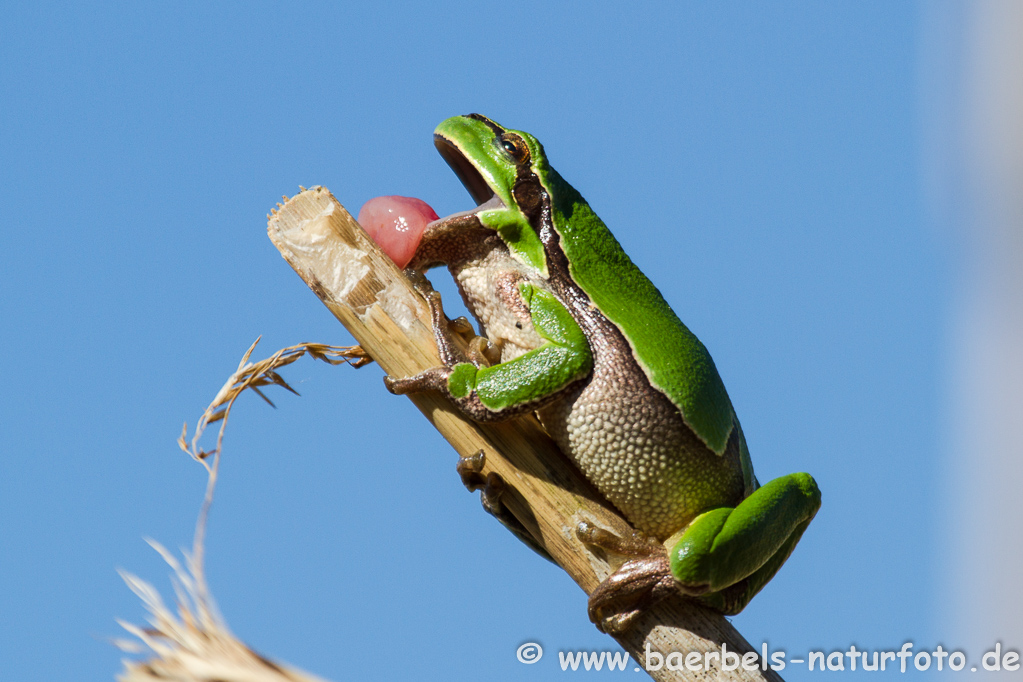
<point>444,329</point>
<point>435,379</point>
<point>635,545</point>
<point>453,358</point>
<point>625,594</point>
<point>470,470</point>
<point>493,487</point>
<point>639,583</point>
<point>439,379</point>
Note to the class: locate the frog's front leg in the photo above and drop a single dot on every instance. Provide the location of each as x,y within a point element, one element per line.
<point>723,558</point>
<point>507,389</point>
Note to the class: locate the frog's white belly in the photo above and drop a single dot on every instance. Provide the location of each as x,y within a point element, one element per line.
<point>489,287</point>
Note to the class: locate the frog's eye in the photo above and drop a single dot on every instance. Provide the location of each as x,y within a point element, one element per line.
<point>514,146</point>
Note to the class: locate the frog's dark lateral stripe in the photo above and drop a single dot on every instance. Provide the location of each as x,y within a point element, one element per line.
<point>703,401</point>
<point>498,130</point>
<point>530,197</point>
<point>618,353</point>
<point>588,268</point>
<point>536,204</point>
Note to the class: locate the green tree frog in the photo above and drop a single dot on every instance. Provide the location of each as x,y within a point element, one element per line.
<point>580,336</point>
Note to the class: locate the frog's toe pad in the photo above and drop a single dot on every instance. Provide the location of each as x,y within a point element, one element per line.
<point>626,593</point>
<point>470,470</point>
<point>492,485</point>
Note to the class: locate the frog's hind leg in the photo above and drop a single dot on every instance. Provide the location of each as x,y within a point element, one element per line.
<point>642,581</point>
<point>493,487</point>
<point>732,600</point>
<point>727,555</point>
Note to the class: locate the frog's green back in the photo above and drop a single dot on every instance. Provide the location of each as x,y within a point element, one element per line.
<point>675,361</point>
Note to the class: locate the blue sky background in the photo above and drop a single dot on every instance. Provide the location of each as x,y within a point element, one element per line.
<point>761,163</point>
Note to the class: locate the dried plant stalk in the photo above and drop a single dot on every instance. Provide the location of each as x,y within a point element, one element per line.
<point>373,299</point>
<point>196,645</point>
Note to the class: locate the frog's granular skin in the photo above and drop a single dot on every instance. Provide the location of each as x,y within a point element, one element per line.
<point>631,442</point>
<point>623,434</point>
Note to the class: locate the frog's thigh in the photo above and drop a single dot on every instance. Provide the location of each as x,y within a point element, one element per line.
<point>747,543</point>
<point>732,600</point>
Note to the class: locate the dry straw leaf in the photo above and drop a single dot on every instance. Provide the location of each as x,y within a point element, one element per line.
<point>195,644</point>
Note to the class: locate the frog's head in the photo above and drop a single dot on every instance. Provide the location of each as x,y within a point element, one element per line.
<point>487,157</point>
<point>502,170</point>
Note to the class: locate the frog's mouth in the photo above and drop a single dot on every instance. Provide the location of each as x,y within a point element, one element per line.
<point>473,181</point>
<point>397,223</point>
